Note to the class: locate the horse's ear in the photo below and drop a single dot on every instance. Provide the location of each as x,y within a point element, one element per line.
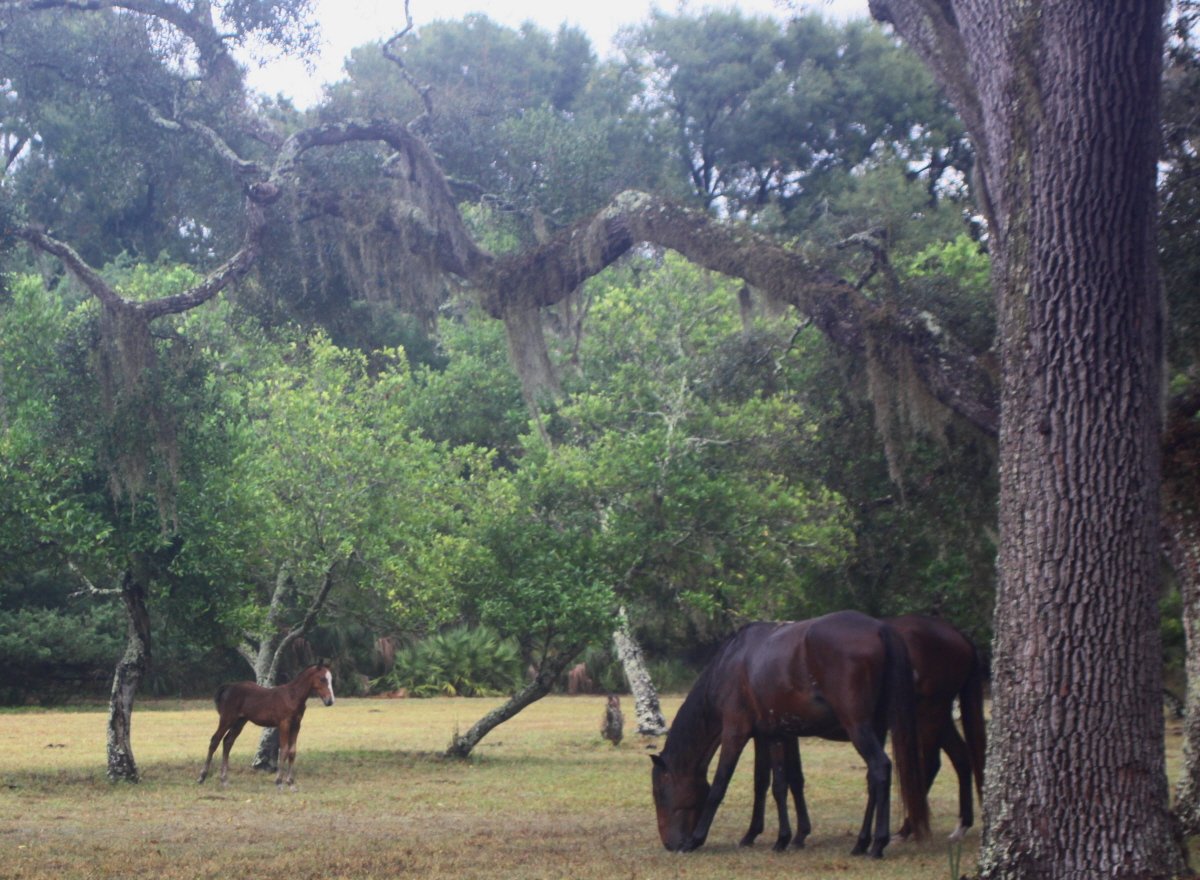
<point>658,761</point>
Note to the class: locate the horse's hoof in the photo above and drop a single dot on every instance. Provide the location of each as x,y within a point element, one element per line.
<point>859,850</point>
<point>798,843</point>
<point>780,846</point>
<point>747,841</point>
<point>958,833</point>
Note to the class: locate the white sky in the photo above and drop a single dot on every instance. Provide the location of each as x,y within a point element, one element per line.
<point>346,24</point>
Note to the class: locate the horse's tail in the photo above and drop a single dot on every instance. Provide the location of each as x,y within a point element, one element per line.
<point>220,695</point>
<point>970,701</point>
<point>902,722</point>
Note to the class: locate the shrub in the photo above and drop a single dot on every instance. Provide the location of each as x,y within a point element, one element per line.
<point>467,662</point>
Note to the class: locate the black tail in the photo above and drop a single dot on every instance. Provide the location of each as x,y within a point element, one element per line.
<point>970,700</point>
<point>902,723</point>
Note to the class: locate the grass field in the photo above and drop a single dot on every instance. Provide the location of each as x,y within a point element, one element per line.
<point>543,797</point>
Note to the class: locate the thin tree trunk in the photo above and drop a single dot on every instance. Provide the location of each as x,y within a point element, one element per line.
<point>126,678</point>
<point>650,720</point>
<point>271,651</point>
<point>543,682</point>
<point>1181,528</point>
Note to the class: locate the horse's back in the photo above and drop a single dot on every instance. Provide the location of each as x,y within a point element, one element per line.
<point>942,658</point>
<point>802,677</point>
<point>243,698</point>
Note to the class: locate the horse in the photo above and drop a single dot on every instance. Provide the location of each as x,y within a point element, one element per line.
<point>844,675</point>
<point>281,707</point>
<point>946,665</point>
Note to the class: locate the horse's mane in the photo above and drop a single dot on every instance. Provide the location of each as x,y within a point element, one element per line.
<point>693,720</point>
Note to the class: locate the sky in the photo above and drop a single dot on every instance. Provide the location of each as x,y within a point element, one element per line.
<point>346,24</point>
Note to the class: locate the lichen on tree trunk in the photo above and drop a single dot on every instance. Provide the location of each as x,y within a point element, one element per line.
<point>126,678</point>
<point>650,720</point>
<point>542,683</point>
<point>1181,533</point>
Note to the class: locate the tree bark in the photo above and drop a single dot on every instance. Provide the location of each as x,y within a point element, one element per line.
<point>542,684</point>
<point>126,679</point>
<point>1061,100</point>
<point>650,720</point>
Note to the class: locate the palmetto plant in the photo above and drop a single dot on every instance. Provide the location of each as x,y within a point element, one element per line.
<point>465,661</point>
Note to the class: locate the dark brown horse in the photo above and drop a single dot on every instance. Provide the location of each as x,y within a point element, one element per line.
<point>946,666</point>
<point>281,707</point>
<point>842,675</point>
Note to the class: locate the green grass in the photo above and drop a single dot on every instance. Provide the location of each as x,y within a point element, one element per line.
<point>544,797</point>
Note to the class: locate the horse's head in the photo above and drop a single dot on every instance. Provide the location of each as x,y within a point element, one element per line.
<point>678,799</point>
<point>322,684</point>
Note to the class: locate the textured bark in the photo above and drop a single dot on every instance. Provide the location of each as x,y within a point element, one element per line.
<point>1061,100</point>
<point>650,720</point>
<point>542,684</point>
<point>1181,533</point>
<point>127,677</point>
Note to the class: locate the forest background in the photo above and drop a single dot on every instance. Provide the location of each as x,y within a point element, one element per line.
<point>338,448</point>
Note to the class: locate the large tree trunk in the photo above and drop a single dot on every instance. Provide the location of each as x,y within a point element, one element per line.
<point>542,683</point>
<point>1061,99</point>
<point>126,678</point>
<point>650,720</point>
<point>1181,532</point>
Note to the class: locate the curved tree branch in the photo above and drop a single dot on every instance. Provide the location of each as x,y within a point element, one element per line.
<point>546,274</point>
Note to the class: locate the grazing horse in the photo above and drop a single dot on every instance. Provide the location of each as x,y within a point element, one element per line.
<point>946,665</point>
<point>281,707</point>
<point>844,675</point>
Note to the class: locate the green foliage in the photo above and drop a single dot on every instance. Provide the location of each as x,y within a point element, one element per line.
<point>463,662</point>
<point>759,113</point>
<point>962,259</point>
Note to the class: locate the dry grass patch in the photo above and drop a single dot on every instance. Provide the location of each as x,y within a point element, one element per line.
<point>544,797</point>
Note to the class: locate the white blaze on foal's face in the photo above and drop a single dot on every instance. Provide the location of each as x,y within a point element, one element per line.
<point>329,683</point>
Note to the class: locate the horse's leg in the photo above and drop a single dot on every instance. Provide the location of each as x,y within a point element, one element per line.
<point>779,788</point>
<point>731,749</point>
<point>795,778</point>
<point>956,751</point>
<point>285,740</point>
<point>291,778</point>
<point>879,784</point>
<point>762,776</point>
<point>234,730</point>
<point>212,747</point>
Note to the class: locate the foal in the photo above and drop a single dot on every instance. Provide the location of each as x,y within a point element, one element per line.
<point>281,707</point>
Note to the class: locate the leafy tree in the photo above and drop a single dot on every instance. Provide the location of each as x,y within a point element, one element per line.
<point>112,500</point>
<point>767,114</point>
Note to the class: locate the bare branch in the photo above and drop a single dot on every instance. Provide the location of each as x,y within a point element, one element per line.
<point>90,589</point>
<point>219,144</point>
<point>91,279</point>
<point>423,92</point>
<point>874,241</point>
<point>930,28</point>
